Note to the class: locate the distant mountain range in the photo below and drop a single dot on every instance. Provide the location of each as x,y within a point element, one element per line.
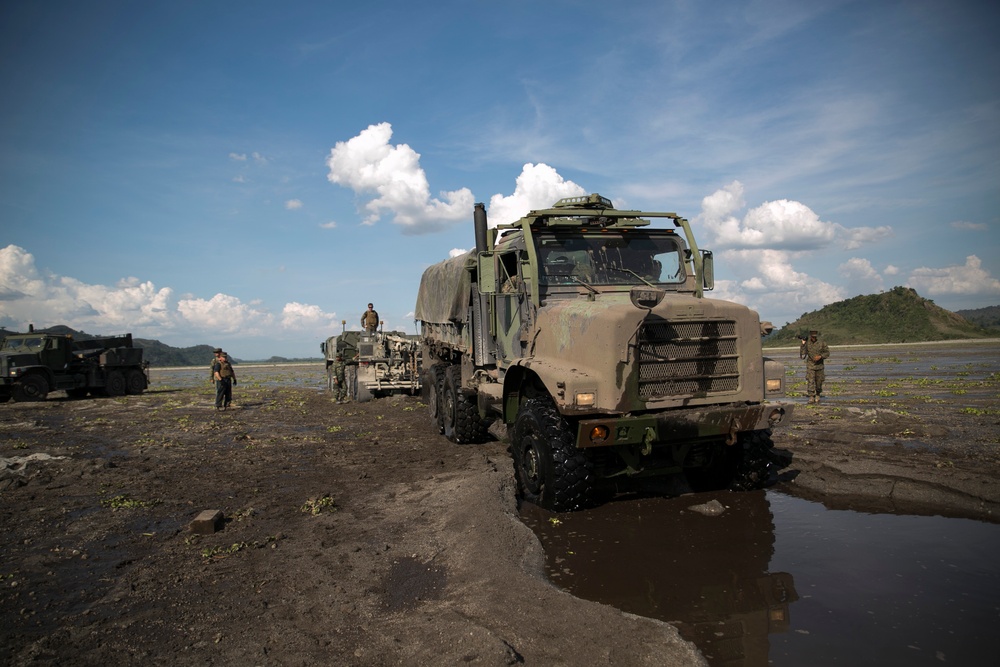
<point>157,353</point>
<point>988,317</point>
<point>899,315</point>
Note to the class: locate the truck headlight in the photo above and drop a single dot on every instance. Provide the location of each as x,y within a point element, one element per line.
<point>586,399</point>
<point>599,434</point>
<point>773,385</point>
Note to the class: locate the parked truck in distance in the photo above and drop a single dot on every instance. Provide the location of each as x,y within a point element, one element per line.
<point>582,334</point>
<point>34,364</point>
<point>379,363</point>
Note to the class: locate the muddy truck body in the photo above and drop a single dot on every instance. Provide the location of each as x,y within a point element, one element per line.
<point>581,334</point>
<point>379,363</point>
<point>34,364</point>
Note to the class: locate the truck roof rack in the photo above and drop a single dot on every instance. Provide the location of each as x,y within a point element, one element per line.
<point>588,211</point>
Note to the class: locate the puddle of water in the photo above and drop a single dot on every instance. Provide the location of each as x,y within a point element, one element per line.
<point>777,580</point>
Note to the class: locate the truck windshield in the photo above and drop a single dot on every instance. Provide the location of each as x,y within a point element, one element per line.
<point>622,258</point>
<point>22,344</point>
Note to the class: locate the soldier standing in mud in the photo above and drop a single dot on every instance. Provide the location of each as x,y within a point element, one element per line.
<point>224,377</point>
<point>814,352</point>
<point>339,378</point>
<point>369,321</point>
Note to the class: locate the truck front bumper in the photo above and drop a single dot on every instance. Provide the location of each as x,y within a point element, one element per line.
<point>681,425</point>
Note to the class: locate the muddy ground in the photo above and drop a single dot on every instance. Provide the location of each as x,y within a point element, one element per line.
<point>355,534</point>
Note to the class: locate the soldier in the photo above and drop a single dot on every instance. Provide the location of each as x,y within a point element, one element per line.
<point>224,377</point>
<point>369,321</point>
<point>814,352</point>
<point>339,380</point>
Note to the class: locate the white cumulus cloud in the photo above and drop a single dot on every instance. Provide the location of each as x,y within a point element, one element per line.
<point>293,204</point>
<point>223,314</point>
<point>132,305</point>
<point>860,276</point>
<point>782,224</point>
<point>305,316</point>
<point>767,281</point>
<point>969,278</point>
<point>395,183</point>
<point>537,186</point>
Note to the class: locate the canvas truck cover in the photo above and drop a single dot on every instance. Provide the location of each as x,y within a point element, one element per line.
<point>445,290</point>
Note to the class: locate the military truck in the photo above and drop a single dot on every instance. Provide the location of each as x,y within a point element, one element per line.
<point>379,363</point>
<point>581,334</point>
<point>34,364</point>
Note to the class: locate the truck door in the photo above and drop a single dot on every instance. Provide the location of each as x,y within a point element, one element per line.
<point>54,354</point>
<point>509,304</point>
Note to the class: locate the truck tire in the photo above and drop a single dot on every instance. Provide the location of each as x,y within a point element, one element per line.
<point>357,387</point>
<point>432,386</point>
<point>135,381</point>
<point>32,387</point>
<point>115,384</point>
<point>751,461</point>
<point>550,470</point>
<point>460,414</point>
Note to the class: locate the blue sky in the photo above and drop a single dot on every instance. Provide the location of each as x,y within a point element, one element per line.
<point>250,174</point>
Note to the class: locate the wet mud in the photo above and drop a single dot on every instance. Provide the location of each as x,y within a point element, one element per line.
<point>356,534</point>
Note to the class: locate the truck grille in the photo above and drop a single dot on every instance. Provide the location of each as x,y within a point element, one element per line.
<point>687,358</point>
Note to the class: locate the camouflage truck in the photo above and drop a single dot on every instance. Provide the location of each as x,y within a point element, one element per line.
<point>379,364</point>
<point>34,364</point>
<point>581,333</point>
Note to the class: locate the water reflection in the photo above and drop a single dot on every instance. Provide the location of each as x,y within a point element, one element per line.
<point>658,557</point>
<point>777,580</point>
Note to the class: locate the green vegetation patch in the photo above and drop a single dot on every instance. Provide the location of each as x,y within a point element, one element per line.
<point>316,506</point>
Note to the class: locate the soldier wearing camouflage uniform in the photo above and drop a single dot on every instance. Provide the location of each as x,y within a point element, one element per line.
<point>815,352</point>
<point>339,378</point>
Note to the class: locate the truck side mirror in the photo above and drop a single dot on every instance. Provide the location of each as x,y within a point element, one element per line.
<point>707,269</point>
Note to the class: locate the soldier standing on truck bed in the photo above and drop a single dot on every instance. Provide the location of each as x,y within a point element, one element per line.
<point>370,320</point>
<point>224,377</point>
<point>816,351</point>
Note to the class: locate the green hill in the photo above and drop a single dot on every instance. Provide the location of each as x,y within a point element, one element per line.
<point>899,315</point>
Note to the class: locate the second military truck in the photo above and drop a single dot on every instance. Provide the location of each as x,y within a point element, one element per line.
<point>582,334</point>
<point>34,364</point>
<point>379,363</point>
